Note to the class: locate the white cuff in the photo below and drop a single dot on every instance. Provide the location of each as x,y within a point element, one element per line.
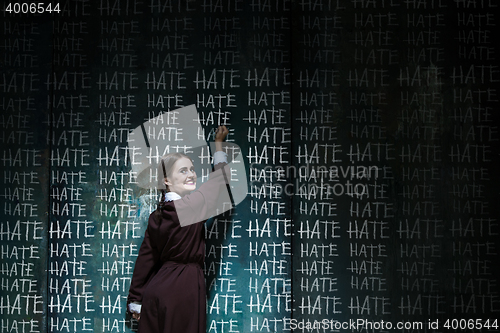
<point>134,307</point>
<point>220,157</point>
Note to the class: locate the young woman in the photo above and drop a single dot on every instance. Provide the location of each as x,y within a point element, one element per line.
<point>167,292</point>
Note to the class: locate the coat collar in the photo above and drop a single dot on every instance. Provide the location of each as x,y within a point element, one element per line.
<point>171,196</point>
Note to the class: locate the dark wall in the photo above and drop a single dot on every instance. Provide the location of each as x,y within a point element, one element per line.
<point>370,133</point>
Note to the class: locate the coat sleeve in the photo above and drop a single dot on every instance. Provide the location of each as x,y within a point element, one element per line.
<point>146,266</point>
<point>209,200</point>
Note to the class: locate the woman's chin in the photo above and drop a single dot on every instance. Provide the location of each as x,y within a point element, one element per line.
<point>190,187</point>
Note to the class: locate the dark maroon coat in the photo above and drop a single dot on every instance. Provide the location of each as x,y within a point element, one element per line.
<point>168,278</point>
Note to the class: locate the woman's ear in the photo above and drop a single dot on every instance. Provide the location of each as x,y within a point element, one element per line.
<point>167,182</point>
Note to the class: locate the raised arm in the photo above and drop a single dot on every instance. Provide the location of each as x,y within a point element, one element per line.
<point>205,202</point>
<point>220,157</point>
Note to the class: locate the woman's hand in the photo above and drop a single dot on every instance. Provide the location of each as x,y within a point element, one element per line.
<point>221,133</point>
<point>136,316</point>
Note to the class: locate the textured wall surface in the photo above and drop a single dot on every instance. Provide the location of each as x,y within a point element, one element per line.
<point>369,131</point>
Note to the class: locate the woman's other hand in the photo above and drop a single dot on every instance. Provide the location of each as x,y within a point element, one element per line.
<point>136,316</point>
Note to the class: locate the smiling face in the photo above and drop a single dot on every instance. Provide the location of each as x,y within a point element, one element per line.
<point>182,178</point>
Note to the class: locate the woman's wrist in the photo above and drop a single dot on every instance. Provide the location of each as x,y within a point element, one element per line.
<point>218,145</point>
